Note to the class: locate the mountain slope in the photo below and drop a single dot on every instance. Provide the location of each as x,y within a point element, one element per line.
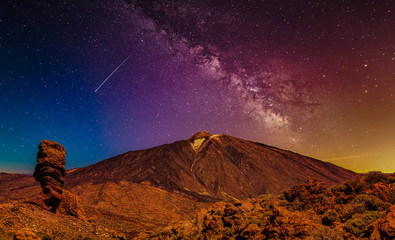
<point>210,167</point>
<point>17,187</point>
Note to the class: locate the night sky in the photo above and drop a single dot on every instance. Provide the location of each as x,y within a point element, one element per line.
<point>110,76</point>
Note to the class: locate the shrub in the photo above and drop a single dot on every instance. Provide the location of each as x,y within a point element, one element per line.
<point>354,186</point>
<point>228,231</point>
<point>320,198</point>
<point>2,233</point>
<point>257,221</point>
<point>280,196</point>
<point>297,205</point>
<point>266,197</point>
<point>14,209</point>
<point>371,203</point>
<point>350,210</point>
<point>356,224</point>
<point>375,177</point>
<point>391,178</point>
<point>339,188</point>
<point>391,194</point>
<point>329,217</point>
<point>280,203</point>
<point>323,233</point>
<point>8,223</point>
<point>161,233</point>
<point>46,237</point>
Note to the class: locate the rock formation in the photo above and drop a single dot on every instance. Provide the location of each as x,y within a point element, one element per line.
<point>70,205</point>
<point>383,228</point>
<point>50,172</point>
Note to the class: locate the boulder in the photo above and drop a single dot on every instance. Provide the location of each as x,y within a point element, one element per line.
<point>70,205</point>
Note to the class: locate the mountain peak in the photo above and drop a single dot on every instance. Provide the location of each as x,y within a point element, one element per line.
<point>209,166</point>
<point>199,135</point>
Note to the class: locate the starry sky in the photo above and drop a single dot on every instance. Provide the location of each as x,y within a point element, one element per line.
<point>105,77</point>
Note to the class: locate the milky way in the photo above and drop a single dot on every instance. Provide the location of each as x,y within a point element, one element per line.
<point>313,77</point>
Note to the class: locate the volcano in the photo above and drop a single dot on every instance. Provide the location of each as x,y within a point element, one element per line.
<point>212,167</point>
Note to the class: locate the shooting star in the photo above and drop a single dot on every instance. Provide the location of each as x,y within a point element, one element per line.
<point>105,80</point>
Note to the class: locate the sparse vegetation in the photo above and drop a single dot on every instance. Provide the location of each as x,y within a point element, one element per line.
<point>14,209</point>
<point>307,211</point>
<point>46,237</point>
<point>371,203</point>
<point>329,217</point>
<point>324,233</point>
<point>350,210</point>
<point>376,177</point>
<point>359,221</point>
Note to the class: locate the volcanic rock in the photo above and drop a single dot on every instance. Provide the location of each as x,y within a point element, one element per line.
<point>385,191</point>
<point>50,172</point>
<point>70,205</point>
<point>50,169</point>
<point>382,229</point>
<point>25,234</point>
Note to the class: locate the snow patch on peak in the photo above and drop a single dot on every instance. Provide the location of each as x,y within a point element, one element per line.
<point>197,143</point>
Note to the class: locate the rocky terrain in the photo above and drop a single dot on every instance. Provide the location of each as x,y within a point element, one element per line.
<point>23,221</point>
<point>359,209</point>
<point>140,191</point>
<point>362,208</point>
<point>17,187</point>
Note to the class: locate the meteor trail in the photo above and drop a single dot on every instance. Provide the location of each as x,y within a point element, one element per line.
<point>105,80</point>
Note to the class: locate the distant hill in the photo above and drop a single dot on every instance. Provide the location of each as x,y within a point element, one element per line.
<point>17,187</point>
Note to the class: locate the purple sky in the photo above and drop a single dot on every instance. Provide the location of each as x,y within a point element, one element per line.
<point>313,77</point>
